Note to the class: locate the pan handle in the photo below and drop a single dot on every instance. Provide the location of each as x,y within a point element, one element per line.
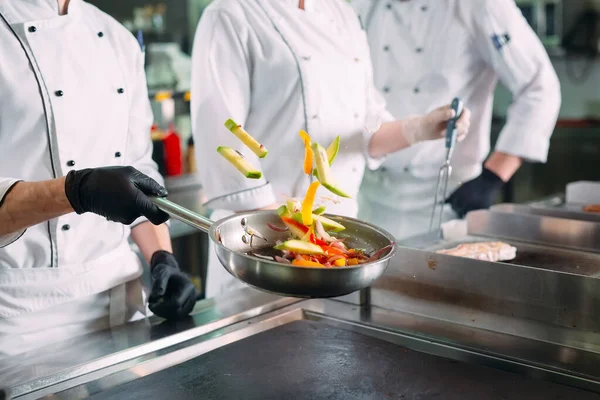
<point>182,214</point>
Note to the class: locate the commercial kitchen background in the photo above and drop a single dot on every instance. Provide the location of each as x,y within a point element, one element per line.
<point>569,29</point>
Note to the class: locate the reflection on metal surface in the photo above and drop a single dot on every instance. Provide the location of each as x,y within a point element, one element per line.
<point>447,339</point>
<point>579,235</point>
<point>57,363</point>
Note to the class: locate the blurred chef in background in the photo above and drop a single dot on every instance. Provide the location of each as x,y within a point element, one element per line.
<point>74,118</point>
<point>427,52</point>
<point>276,67</point>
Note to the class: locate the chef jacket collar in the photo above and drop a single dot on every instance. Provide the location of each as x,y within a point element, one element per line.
<point>39,9</point>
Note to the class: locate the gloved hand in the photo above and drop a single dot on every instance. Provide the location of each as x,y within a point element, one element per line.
<point>117,193</point>
<point>173,294</point>
<point>477,194</point>
<point>433,125</point>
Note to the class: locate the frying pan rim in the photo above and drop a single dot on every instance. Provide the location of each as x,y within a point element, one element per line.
<point>213,237</point>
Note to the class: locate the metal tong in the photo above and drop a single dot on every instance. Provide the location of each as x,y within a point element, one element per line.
<point>446,169</point>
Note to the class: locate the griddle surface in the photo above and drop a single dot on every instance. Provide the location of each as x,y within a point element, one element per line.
<point>309,360</point>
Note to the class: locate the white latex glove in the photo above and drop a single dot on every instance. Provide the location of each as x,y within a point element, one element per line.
<point>433,125</point>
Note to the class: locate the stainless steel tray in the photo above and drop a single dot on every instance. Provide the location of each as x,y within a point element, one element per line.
<point>568,211</point>
<point>538,256</point>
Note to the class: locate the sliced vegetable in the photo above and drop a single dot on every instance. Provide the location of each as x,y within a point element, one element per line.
<point>321,232</point>
<point>324,174</point>
<point>277,228</point>
<point>340,262</point>
<point>296,228</point>
<point>293,205</point>
<point>307,204</point>
<point>333,149</point>
<point>332,251</point>
<point>281,260</point>
<point>306,263</point>
<point>353,261</point>
<point>319,210</point>
<point>283,211</point>
<point>237,159</point>
<point>249,141</point>
<point>328,224</point>
<point>300,247</point>
<point>308,153</point>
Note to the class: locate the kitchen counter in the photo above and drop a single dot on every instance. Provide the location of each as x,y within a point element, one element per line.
<point>438,329</point>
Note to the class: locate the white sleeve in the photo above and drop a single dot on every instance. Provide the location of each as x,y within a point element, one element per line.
<point>509,45</point>
<point>139,146</point>
<point>376,109</point>
<point>5,185</point>
<point>221,71</point>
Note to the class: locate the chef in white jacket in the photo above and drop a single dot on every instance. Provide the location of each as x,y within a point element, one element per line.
<point>74,135</point>
<point>276,67</point>
<point>426,52</point>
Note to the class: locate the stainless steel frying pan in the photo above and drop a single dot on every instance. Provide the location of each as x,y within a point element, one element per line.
<point>234,251</point>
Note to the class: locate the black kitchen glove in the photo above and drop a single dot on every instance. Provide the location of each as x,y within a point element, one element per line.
<point>173,294</point>
<point>117,193</point>
<point>480,193</point>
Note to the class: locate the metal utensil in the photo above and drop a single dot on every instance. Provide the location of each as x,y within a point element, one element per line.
<point>446,169</point>
<point>234,249</point>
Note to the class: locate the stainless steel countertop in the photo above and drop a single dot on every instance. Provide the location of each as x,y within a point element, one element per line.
<point>141,339</point>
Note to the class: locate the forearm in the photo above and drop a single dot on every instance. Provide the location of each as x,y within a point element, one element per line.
<point>150,238</point>
<point>389,138</point>
<point>503,165</point>
<point>31,203</point>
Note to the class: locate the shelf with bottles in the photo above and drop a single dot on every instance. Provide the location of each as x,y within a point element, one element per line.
<point>173,159</point>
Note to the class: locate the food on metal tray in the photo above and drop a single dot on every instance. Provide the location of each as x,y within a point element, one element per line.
<point>594,208</point>
<point>237,159</point>
<point>246,138</point>
<point>486,251</point>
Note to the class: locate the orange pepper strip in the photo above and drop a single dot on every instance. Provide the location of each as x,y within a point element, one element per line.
<point>306,263</point>
<point>308,153</point>
<point>307,204</point>
<point>332,251</point>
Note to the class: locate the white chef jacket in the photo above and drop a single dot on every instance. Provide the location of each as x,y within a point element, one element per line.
<point>276,69</point>
<point>74,96</point>
<point>426,52</point>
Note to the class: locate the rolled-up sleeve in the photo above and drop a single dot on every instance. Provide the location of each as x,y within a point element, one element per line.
<point>221,90</point>
<point>139,148</point>
<point>509,45</point>
<point>6,184</point>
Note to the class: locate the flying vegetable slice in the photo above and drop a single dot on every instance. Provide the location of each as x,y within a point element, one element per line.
<point>249,141</point>
<point>237,159</point>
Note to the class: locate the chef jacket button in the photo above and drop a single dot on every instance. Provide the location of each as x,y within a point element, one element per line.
<point>389,6</point>
<point>70,163</point>
<point>356,59</point>
<point>120,90</point>
<point>386,48</point>
<point>32,29</point>
<point>306,58</point>
<point>423,8</point>
<point>354,169</point>
<point>356,115</point>
<point>59,93</point>
<point>117,154</point>
<point>100,34</point>
<point>315,116</point>
<point>66,227</point>
<point>386,89</point>
<point>416,90</point>
<point>419,49</point>
<point>406,169</point>
<point>383,169</point>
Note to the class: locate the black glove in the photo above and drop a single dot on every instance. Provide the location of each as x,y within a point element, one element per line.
<point>477,194</point>
<point>117,193</point>
<point>173,294</point>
